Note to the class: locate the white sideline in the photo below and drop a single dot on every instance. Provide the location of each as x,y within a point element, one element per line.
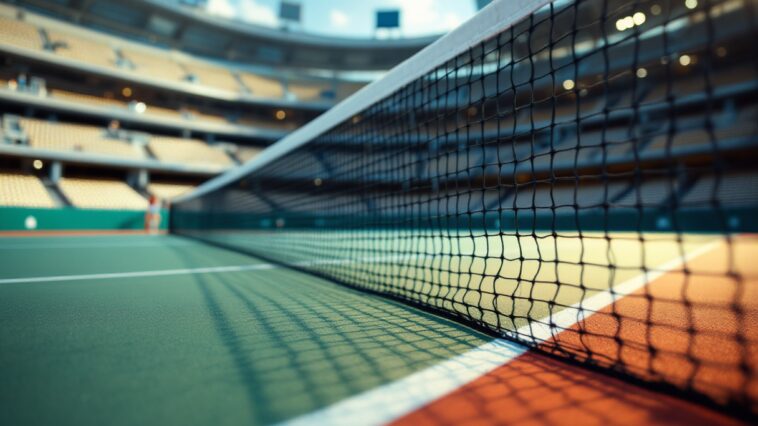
<point>192,271</point>
<point>140,274</point>
<point>85,245</point>
<point>394,400</point>
<point>585,308</point>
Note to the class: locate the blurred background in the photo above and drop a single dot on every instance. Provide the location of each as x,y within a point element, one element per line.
<point>106,104</point>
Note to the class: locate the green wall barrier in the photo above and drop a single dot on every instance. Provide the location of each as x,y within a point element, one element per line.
<point>23,218</point>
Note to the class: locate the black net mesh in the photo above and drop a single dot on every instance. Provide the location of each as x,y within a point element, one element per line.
<point>583,182</point>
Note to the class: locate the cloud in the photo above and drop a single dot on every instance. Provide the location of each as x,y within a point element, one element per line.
<point>245,10</point>
<point>423,16</point>
<point>338,18</point>
<point>253,12</point>
<point>451,21</point>
<point>223,8</point>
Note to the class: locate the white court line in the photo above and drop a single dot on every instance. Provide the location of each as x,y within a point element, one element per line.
<point>140,274</point>
<point>579,311</point>
<point>191,271</point>
<point>394,400</point>
<point>95,245</point>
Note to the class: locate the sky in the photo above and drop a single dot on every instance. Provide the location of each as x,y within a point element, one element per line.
<point>353,18</point>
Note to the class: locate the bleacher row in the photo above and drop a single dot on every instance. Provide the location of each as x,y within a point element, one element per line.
<point>66,137</point>
<point>152,110</point>
<point>94,49</point>
<point>20,190</point>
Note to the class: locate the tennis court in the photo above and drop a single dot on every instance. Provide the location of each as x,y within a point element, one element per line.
<point>545,217</point>
<point>136,329</point>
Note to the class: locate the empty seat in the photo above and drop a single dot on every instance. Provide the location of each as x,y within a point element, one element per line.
<point>192,151</point>
<point>213,76</point>
<point>102,194</point>
<point>85,99</point>
<point>77,48</point>
<point>346,89</point>
<point>732,190</point>
<point>308,91</point>
<point>164,112</point>
<point>19,33</point>
<point>75,137</point>
<point>153,65</point>
<point>211,118</point>
<point>247,153</point>
<point>168,191</point>
<point>19,190</point>
<point>650,192</point>
<point>262,86</point>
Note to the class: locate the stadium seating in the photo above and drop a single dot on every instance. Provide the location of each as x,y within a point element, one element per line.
<point>733,189</point>
<point>201,116</point>
<point>19,34</point>
<point>247,153</point>
<point>101,194</point>
<point>164,112</point>
<point>74,137</point>
<point>23,191</point>
<point>77,48</point>
<point>213,76</point>
<point>346,89</point>
<point>308,91</point>
<point>192,151</point>
<point>85,99</point>
<point>152,65</point>
<point>262,86</point>
<point>168,191</point>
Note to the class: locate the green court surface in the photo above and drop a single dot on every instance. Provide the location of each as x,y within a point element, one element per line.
<point>225,347</point>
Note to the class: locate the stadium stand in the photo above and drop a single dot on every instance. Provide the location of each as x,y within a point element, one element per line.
<point>346,89</point>
<point>73,47</point>
<point>165,112</point>
<point>167,191</point>
<point>247,153</point>
<point>82,76</point>
<point>85,99</point>
<point>212,76</point>
<point>153,65</point>
<point>20,34</point>
<point>101,194</point>
<point>734,189</point>
<point>23,191</point>
<point>201,116</point>
<point>309,91</point>
<point>74,137</point>
<point>192,151</point>
<point>93,48</point>
<point>261,86</point>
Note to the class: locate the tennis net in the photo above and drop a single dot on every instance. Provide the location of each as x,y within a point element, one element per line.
<point>578,176</point>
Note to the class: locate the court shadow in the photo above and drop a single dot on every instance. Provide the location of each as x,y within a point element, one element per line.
<point>300,343</point>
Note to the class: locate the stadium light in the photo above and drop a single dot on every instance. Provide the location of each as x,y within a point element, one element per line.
<point>628,22</point>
